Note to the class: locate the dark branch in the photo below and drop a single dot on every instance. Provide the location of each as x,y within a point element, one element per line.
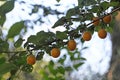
<point>11,51</point>
<point>104,16</point>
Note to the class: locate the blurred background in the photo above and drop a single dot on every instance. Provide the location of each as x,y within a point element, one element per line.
<point>98,51</point>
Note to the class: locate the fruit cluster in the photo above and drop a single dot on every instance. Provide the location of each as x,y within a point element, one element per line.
<point>55,52</point>
<point>71,44</point>
<point>102,33</point>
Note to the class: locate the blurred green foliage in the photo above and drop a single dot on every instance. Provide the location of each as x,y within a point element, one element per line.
<point>41,43</point>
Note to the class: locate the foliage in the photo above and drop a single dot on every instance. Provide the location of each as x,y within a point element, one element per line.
<point>43,42</point>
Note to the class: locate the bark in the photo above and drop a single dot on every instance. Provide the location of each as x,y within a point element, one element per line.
<point>114,70</point>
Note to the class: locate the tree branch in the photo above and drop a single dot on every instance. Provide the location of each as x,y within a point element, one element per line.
<point>11,51</point>
<point>104,16</point>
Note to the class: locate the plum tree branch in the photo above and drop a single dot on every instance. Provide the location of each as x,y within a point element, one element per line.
<point>114,10</point>
<point>11,51</point>
<point>48,43</point>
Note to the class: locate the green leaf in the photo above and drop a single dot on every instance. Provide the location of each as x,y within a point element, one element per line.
<point>48,49</point>
<point>61,70</point>
<point>60,22</point>
<point>90,2</point>
<point>21,60</point>
<point>72,11</point>
<point>71,54</point>
<point>32,39</point>
<point>94,9</point>
<point>58,0</point>
<point>68,68</point>
<point>8,6</point>
<point>82,58</point>
<point>1,40</point>
<point>40,55</point>
<point>2,20</point>
<point>46,77</point>
<point>105,5</point>
<point>2,60</point>
<point>19,42</point>
<point>51,63</point>
<point>109,29</point>
<point>97,28</point>
<point>6,67</point>
<point>77,65</point>
<point>44,37</point>
<point>114,4</point>
<point>50,36</point>
<point>4,46</point>
<point>61,35</point>
<point>52,70</point>
<point>84,48</point>
<point>41,33</point>
<point>80,3</point>
<point>52,78</point>
<point>62,59</point>
<point>15,29</point>
<point>76,19</point>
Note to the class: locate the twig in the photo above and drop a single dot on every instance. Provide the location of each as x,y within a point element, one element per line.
<point>104,16</point>
<point>48,43</point>
<point>11,51</point>
<point>58,39</point>
<point>13,54</point>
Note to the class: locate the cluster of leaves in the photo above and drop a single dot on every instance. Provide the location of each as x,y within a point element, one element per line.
<point>16,60</point>
<point>43,42</point>
<point>56,70</point>
<point>84,12</point>
<point>5,9</point>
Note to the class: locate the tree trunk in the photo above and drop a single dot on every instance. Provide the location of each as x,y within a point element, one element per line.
<point>114,70</point>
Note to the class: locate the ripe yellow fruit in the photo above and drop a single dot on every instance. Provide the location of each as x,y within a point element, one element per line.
<point>55,52</point>
<point>87,36</point>
<point>102,33</point>
<point>107,19</point>
<point>96,23</point>
<point>31,59</point>
<point>71,45</point>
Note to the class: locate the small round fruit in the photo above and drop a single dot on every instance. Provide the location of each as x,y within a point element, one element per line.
<point>107,19</point>
<point>102,33</point>
<point>87,36</point>
<point>55,52</point>
<point>31,59</point>
<point>71,45</point>
<point>96,23</point>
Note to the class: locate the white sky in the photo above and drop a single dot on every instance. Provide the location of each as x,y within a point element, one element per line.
<point>99,51</point>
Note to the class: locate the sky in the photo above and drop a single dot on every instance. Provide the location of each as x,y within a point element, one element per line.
<point>99,50</point>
